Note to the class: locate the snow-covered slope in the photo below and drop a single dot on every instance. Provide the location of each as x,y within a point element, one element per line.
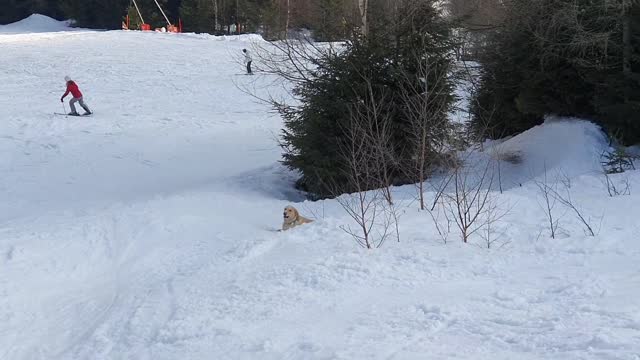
<point>145,231</point>
<point>35,23</point>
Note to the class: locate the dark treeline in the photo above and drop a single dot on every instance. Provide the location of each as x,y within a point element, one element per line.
<point>14,10</point>
<point>329,19</point>
<point>576,58</point>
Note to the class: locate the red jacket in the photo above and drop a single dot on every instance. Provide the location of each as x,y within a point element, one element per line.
<point>72,88</point>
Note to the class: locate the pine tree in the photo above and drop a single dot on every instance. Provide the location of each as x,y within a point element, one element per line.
<point>100,14</point>
<point>331,20</point>
<point>11,12</point>
<point>617,94</point>
<point>14,10</point>
<point>371,68</point>
<point>198,16</point>
<point>561,57</point>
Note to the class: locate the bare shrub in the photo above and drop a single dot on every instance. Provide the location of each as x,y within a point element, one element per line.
<point>624,188</point>
<point>559,192</point>
<point>366,208</point>
<point>566,200</point>
<point>429,133</point>
<point>617,161</point>
<point>365,155</point>
<point>547,192</point>
<point>469,202</point>
<point>499,155</point>
<point>493,214</point>
<point>436,214</point>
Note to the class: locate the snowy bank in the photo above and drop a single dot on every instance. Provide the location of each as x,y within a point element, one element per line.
<point>571,146</point>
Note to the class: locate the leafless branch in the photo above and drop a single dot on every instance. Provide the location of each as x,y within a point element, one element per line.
<point>471,197</point>
<point>549,202</point>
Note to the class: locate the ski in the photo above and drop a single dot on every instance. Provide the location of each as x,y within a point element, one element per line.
<point>79,115</point>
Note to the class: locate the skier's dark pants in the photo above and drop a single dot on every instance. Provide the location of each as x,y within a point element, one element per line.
<point>249,67</point>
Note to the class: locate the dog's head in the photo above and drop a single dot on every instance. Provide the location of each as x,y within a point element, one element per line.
<point>290,214</point>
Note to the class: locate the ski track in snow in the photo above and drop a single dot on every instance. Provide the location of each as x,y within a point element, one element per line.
<point>142,232</point>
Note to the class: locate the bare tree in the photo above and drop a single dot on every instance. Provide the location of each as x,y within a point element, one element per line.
<point>363,6</point>
<point>215,15</point>
<point>617,190</point>
<point>437,212</point>
<point>617,161</point>
<point>567,201</point>
<point>476,19</point>
<point>374,220</point>
<point>547,192</point>
<point>568,34</point>
<point>469,202</point>
<point>292,60</point>
<point>425,110</point>
<point>371,121</point>
<point>376,128</point>
<point>626,38</point>
<point>287,20</point>
<point>492,215</point>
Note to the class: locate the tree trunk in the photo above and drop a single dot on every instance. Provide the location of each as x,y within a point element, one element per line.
<point>626,40</point>
<point>363,5</point>
<point>626,47</point>
<point>215,15</point>
<point>286,25</point>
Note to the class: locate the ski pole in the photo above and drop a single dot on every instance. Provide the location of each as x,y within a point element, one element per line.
<point>64,109</point>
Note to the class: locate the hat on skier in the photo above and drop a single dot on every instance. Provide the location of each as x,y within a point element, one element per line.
<point>67,78</point>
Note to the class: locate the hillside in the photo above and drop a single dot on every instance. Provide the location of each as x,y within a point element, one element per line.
<point>146,231</point>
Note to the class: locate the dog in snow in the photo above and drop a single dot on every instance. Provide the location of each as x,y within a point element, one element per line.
<point>292,218</point>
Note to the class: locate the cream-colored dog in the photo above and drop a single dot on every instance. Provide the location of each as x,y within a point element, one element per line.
<point>292,218</point>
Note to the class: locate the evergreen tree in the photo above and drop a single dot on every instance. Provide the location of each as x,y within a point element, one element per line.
<point>15,10</point>
<point>315,134</point>
<point>198,16</point>
<point>11,12</point>
<point>617,90</point>
<point>152,15</point>
<point>101,14</point>
<point>560,57</point>
<point>331,21</point>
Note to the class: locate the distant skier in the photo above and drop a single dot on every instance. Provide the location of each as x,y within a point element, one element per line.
<point>247,60</point>
<point>72,88</point>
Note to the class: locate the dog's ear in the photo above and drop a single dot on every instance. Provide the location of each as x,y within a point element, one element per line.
<point>295,212</point>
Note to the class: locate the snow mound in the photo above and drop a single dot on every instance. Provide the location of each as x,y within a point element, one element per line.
<point>35,23</point>
<point>572,147</point>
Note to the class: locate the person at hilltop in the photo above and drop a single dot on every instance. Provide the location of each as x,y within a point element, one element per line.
<point>247,60</point>
<point>72,88</point>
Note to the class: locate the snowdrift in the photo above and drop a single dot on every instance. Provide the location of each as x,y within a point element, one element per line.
<point>36,23</point>
<point>571,146</point>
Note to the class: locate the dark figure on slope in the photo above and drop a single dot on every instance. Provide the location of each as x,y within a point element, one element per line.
<point>247,60</point>
<point>72,88</point>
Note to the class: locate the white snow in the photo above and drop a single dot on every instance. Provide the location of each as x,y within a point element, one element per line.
<point>145,231</point>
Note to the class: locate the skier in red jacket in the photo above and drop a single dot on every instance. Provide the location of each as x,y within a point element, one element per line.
<point>72,88</point>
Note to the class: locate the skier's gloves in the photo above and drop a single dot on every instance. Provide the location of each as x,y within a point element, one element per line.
<point>62,100</point>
